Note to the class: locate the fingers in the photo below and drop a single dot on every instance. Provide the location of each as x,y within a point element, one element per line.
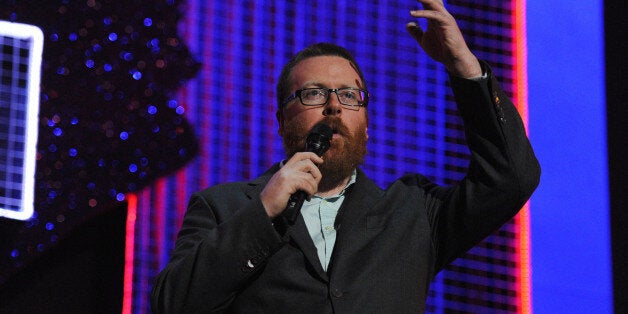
<point>429,14</point>
<point>306,175</point>
<point>442,40</point>
<point>302,156</point>
<point>441,16</point>
<point>298,173</point>
<point>432,10</point>
<point>432,4</point>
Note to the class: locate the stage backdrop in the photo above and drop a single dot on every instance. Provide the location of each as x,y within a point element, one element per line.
<point>414,125</point>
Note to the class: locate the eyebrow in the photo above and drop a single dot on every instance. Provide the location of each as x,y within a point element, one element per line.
<point>314,84</point>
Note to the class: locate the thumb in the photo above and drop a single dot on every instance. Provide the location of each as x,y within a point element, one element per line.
<point>415,30</point>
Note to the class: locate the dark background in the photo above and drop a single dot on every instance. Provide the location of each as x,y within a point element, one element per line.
<point>615,13</point>
<point>83,274</point>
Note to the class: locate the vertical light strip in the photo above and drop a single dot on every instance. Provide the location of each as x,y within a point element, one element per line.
<point>180,207</point>
<point>524,277</point>
<point>521,62</point>
<point>205,83</point>
<point>142,268</point>
<point>129,253</point>
<point>521,99</point>
<point>158,217</point>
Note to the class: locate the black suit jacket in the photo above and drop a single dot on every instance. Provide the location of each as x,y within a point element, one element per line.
<point>390,243</point>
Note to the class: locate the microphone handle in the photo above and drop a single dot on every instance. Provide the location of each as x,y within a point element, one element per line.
<point>295,203</point>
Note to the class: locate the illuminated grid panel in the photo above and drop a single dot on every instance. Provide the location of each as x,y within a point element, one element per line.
<point>486,278</point>
<point>414,125</point>
<point>20,59</point>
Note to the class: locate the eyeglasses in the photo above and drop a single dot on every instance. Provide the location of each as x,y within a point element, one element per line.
<point>348,96</point>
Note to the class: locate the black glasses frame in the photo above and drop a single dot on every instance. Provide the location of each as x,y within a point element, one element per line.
<point>297,94</point>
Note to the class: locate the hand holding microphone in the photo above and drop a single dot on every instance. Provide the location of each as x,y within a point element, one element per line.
<point>298,178</point>
<point>317,142</point>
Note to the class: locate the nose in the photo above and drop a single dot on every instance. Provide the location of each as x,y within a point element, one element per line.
<point>333,106</point>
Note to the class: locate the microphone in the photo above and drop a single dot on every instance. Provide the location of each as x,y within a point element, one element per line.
<point>318,142</point>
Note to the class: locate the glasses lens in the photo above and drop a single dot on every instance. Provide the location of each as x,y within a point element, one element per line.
<point>350,96</point>
<point>314,96</point>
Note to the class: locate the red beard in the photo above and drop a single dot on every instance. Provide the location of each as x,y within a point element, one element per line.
<point>344,155</point>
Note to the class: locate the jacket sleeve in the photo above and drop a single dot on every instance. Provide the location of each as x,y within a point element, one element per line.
<point>502,174</point>
<point>224,242</point>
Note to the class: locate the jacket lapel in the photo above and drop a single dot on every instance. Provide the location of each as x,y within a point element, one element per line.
<point>351,220</point>
<point>300,236</point>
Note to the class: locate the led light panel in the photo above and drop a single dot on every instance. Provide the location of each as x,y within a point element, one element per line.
<point>21,48</point>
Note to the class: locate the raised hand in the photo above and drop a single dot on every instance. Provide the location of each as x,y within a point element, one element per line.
<point>443,40</point>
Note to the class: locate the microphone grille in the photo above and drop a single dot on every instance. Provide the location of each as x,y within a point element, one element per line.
<point>319,139</point>
<point>322,129</point>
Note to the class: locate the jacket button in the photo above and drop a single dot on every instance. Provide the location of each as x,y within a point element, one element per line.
<point>248,267</point>
<point>336,293</point>
<point>496,98</point>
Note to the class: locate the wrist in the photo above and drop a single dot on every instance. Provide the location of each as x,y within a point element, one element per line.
<point>467,67</point>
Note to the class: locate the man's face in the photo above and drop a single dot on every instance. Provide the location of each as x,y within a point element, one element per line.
<point>348,145</point>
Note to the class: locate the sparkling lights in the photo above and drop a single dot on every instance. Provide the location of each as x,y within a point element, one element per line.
<point>107,123</point>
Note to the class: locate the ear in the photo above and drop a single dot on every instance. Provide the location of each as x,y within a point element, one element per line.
<point>366,131</point>
<point>280,120</point>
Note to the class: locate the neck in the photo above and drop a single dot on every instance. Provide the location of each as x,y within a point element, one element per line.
<point>335,189</point>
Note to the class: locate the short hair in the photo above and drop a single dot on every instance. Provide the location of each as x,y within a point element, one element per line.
<point>315,50</point>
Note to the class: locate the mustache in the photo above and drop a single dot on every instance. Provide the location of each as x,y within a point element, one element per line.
<point>337,126</point>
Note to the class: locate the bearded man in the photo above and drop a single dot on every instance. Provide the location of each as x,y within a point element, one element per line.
<point>355,248</point>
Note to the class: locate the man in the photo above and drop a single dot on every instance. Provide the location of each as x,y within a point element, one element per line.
<point>356,248</point>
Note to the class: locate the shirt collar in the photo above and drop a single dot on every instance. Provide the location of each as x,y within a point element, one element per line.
<point>344,190</point>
